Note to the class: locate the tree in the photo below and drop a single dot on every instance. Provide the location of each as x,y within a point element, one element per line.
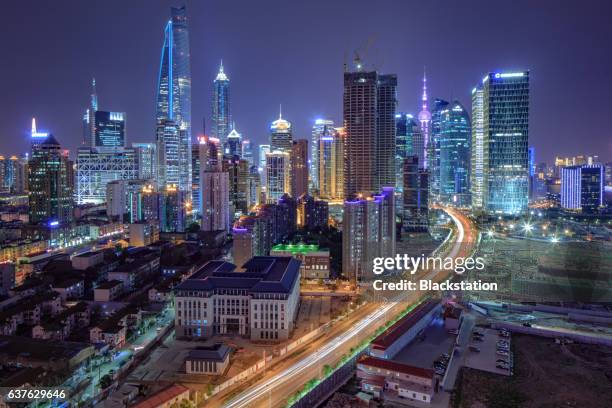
<point>105,381</point>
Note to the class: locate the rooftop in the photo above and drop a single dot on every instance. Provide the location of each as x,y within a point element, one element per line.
<point>300,248</point>
<point>160,398</point>
<point>389,365</point>
<point>262,274</point>
<point>217,352</point>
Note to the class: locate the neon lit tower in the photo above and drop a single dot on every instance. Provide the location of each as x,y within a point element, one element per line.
<point>221,113</point>
<point>425,121</point>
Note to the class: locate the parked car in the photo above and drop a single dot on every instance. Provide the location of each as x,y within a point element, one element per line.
<point>474,349</point>
<point>502,352</point>
<point>453,331</point>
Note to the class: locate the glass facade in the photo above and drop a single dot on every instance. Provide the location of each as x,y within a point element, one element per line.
<point>438,106</point>
<point>109,130</point>
<point>221,108</point>
<point>454,160</point>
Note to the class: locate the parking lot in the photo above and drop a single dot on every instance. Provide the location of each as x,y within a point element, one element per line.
<point>487,358</point>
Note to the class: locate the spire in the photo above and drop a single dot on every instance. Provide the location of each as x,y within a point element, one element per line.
<point>280,111</point>
<point>94,96</point>
<point>425,107</point>
<point>221,74</point>
<point>34,126</point>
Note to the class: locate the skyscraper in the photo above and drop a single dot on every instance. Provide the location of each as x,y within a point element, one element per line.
<point>233,144</point>
<point>368,232</point>
<point>505,133</point>
<point>278,176</point>
<point>261,164</point>
<point>321,128</point>
<point>454,157</point>
<point>221,108</point>
<point>238,172</point>
<point>50,192</point>
<point>369,121</point>
<point>214,187</point>
<point>299,168</point>
<point>89,117</point>
<point>174,103</point>
<point>281,137</point>
<point>146,159</point>
<point>415,215</point>
<point>173,209</point>
<point>408,142</point>
<point>437,107</point>
<point>582,187</point>
<point>331,166</point>
<point>425,121</point>
<point>109,130</point>
<point>247,151</point>
<point>479,150</point>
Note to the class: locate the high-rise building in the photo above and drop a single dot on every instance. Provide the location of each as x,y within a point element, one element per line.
<point>299,168</point>
<point>437,107</point>
<point>221,108</point>
<point>582,187</point>
<point>479,150</point>
<point>95,169</point>
<point>109,130</point>
<point>89,117</point>
<point>124,197</point>
<point>50,194</point>
<point>173,209</point>
<point>425,121</point>
<point>312,213</point>
<point>321,128</point>
<point>238,172</point>
<point>173,109</point>
<point>146,159</point>
<point>233,144</point>
<point>415,215</point>
<point>368,232</point>
<point>281,137</point>
<point>254,187</point>
<point>278,175</point>
<point>13,175</point>
<point>408,142</point>
<point>331,165</point>
<point>247,151</point>
<point>504,109</point>
<point>214,188</point>
<point>453,164</point>
<point>171,168</point>
<point>369,119</point>
<point>261,163</point>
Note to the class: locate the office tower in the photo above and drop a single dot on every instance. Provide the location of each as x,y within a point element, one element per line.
<point>505,130</point>
<point>146,159</point>
<point>437,107</point>
<point>95,169</point>
<point>415,215</point>
<point>3,177</point>
<point>453,164</point>
<point>195,177</point>
<point>408,142</point>
<point>321,128</point>
<point>299,168</point>
<point>13,174</point>
<point>173,209</point>
<point>281,138</point>
<point>50,195</point>
<point>89,117</point>
<point>425,122</point>
<point>254,187</point>
<point>36,137</point>
<point>582,187</point>
<point>331,165</point>
<point>247,151</point>
<point>221,108</point>
<point>233,144</point>
<point>214,187</point>
<point>261,163</point>
<point>278,176</point>
<point>479,149</point>
<point>532,172</point>
<point>109,130</point>
<point>369,121</point>
<point>124,197</point>
<point>173,109</point>
<point>286,215</point>
<point>171,142</point>
<point>312,213</point>
<point>608,172</point>
<point>238,172</point>
<point>368,232</point>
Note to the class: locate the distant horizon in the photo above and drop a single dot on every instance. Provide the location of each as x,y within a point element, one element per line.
<point>274,53</point>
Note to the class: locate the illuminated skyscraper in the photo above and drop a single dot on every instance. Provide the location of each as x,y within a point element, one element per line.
<point>369,120</point>
<point>425,121</point>
<point>299,168</point>
<point>415,215</point>
<point>50,192</point>
<point>331,165</point>
<point>173,209</point>
<point>109,130</point>
<point>437,107</point>
<point>261,164</point>
<point>408,142</point>
<point>281,137</point>
<point>214,198</point>
<point>238,173</point>
<point>477,175</point>
<point>278,176</point>
<point>89,117</point>
<point>321,128</point>
<point>221,107</point>
<point>146,158</point>
<point>247,151</point>
<point>505,133</point>
<point>454,161</point>
<point>233,144</point>
<point>173,109</point>
<point>582,187</point>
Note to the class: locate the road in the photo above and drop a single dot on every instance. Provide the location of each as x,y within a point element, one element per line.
<point>288,377</point>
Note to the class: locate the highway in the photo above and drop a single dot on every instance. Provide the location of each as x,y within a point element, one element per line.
<point>289,376</point>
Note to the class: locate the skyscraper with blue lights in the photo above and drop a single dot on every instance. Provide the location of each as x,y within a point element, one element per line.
<point>221,108</point>
<point>501,103</point>
<point>454,161</point>
<point>174,101</point>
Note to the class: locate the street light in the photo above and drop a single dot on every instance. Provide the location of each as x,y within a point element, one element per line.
<point>554,240</point>
<point>528,227</point>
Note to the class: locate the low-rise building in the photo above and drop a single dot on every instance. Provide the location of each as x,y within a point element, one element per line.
<point>380,376</point>
<point>109,290</point>
<point>72,288</point>
<point>260,303</point>
<point>212,360</point>
<point>168,397</point>
<point>314,260</point>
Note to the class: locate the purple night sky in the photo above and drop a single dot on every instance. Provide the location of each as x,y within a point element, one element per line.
<point>292,52</point>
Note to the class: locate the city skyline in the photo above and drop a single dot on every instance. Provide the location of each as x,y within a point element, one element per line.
<point>556,61</point>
